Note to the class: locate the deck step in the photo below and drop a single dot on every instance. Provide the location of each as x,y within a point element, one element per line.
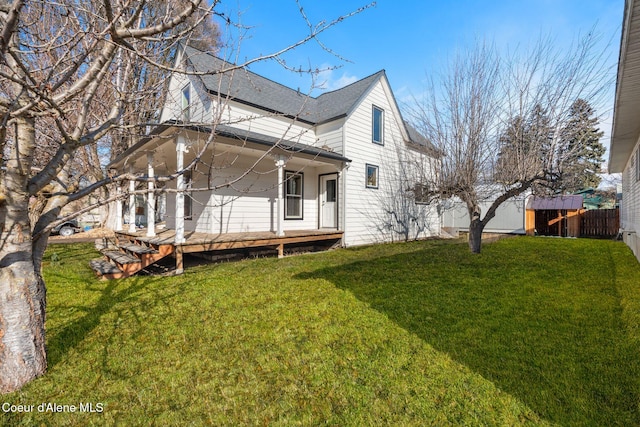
<point>138,249</point>
<point>103,267</point>
<point>121,258</point>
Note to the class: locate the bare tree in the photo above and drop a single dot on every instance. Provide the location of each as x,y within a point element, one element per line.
<point>405,214</point>
<point>70,79</point>
<point>498,122</point>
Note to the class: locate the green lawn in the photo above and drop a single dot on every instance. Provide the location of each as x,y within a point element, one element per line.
<point>531,331</point>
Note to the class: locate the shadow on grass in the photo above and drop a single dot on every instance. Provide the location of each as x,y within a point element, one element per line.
<point>517,314</point>
<point>89,299</point>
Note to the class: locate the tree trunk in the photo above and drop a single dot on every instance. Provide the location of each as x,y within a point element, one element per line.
<point>22,290</point>
<point>108,212</point>
<point>475,227</point>
<point>475,236</point>
<point>22,316</point>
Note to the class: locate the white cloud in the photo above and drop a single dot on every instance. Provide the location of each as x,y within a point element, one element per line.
<point>327,79</point>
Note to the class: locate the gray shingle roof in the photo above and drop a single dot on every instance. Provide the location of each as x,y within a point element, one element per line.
<point>570,202</point>
<point>249,88</point>
<point>269,141</point>
<point>233,133</point>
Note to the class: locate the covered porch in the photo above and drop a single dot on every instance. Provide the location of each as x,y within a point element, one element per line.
<point>241,182</point>
<point>222,190</point>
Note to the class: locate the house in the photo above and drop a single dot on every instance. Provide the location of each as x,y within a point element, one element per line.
<point>524,214</point>
<point>261,164</point>
<point>624,151</point>
<point>509,218</point>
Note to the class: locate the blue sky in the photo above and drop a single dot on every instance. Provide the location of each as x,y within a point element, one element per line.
<point>411,39</point>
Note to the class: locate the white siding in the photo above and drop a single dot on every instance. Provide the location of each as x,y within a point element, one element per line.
<point>207,109</point>
<point>510,217</point>
<point>249,204</point>
<point>244,117</point>
<point>366,208</point>
<point>330,136</point>
<point>200,103</point>
<point>365,214</point>
<point>630,206</point>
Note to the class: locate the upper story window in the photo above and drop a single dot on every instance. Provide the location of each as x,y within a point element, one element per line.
<point>378,125</point>
<point>186,103</point>
<point>293,195</point>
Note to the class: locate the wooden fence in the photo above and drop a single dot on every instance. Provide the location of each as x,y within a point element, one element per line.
<point>600,223</point>
<point>596,223</point>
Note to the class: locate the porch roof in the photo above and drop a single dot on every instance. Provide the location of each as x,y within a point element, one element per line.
<point>291,147</point>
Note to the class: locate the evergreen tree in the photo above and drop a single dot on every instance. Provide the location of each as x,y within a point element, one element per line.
<point>524,146</point>
<point>580,139</point>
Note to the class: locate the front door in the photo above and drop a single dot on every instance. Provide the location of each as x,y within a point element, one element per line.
<point>329,201</point>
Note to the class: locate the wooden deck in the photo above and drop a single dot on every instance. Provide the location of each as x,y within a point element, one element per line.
<point>136,250</point>
<point>203,242</point>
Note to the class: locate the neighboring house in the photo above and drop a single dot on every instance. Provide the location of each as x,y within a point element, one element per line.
<point>624,152</point>
<point>525,214</point>
<point>596,199</point>
<point>509,218</point>
<point>273,159</point>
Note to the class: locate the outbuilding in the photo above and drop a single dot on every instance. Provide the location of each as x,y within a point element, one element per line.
<point>554,216</point>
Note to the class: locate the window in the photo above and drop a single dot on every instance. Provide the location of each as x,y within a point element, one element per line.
<point>293,195</point>
<point>188,200</point>
<point>638,164</point>
<point>186,103</point>
<point>378,125</point>
<point>372,176</point>
<point>331,190</point>
<point>420,193</point>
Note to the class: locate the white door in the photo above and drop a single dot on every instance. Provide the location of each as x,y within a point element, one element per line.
<point>329,201</point>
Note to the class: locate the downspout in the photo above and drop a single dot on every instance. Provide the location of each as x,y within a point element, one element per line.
<point>345,167</point>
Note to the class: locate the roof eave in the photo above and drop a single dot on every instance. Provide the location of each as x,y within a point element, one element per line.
<point>260,107</point>
<point>626,126</point>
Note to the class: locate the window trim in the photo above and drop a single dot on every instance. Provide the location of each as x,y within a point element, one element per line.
<point>379,141</point>
<point>300,198</point>
<point>185,103</point>
<point>366,176</point>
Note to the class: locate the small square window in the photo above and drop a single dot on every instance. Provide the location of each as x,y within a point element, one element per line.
<point>372,176</point>
<point>378,125</point>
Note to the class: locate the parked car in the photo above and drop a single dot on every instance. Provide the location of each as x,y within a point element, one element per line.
<point>66,228</point>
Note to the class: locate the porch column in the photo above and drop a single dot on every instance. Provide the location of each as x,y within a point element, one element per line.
<point>280,163</point>
<point>180,149</point>
<point>118,224</point>
<point>151,200</point>
<point>342,200</point>
<point>132,203</point>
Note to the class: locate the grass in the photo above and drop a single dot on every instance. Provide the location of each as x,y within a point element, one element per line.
<point>532,331</point>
